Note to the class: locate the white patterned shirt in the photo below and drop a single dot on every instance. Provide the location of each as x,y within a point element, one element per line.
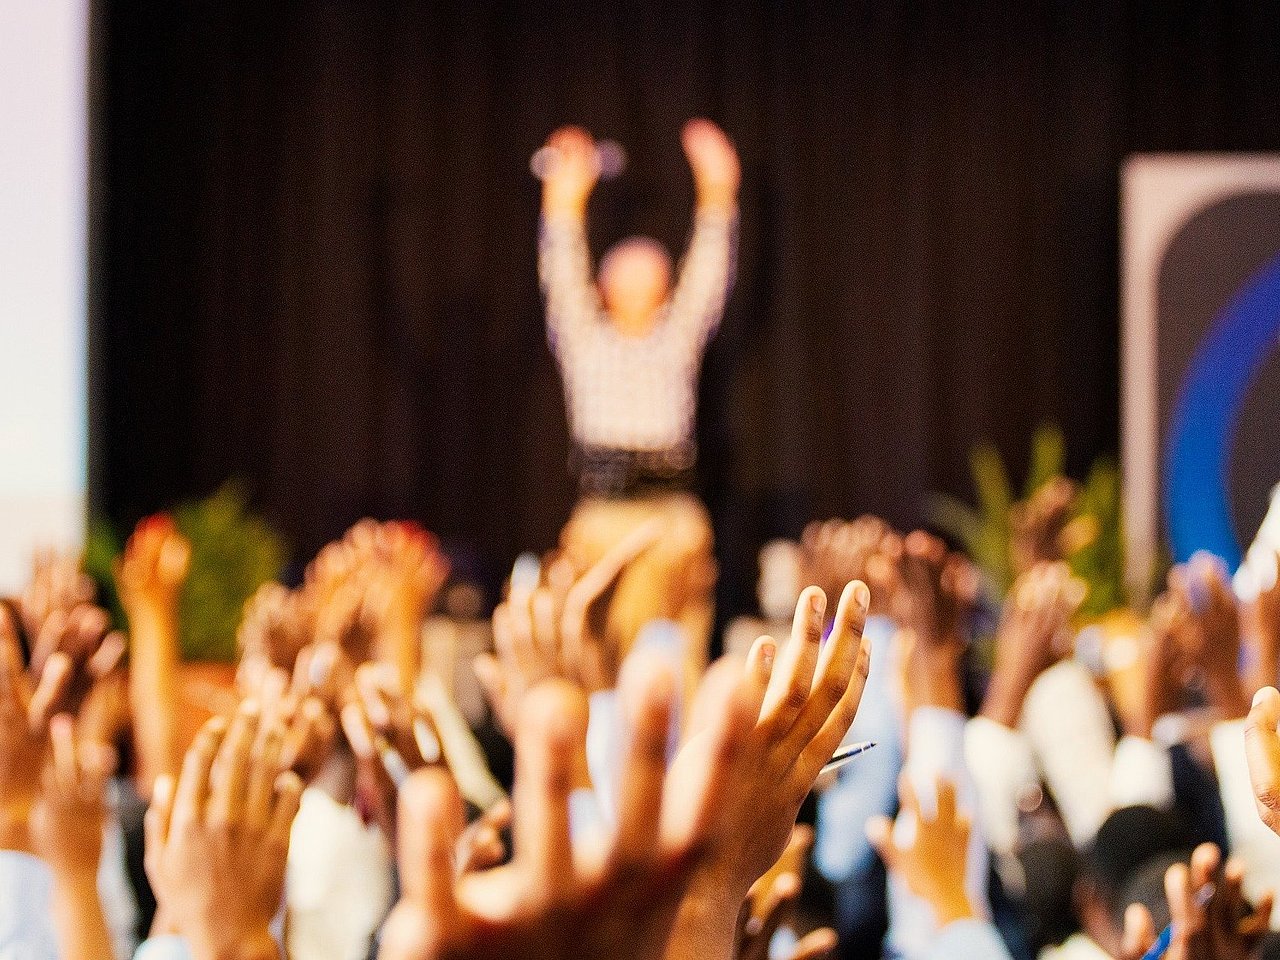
<point>623,392</point>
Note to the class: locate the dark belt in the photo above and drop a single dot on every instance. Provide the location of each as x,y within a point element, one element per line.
<point>627,474</point>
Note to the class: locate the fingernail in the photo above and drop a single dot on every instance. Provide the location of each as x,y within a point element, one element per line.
<point>767,652</point>
<point>861,595</point>
<point>817,602</point>
<point>1258,697</point>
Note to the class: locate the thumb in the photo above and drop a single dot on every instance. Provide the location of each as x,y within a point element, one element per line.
<point>1139,932</point>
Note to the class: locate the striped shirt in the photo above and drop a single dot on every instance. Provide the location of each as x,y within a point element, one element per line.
<point>624,392</point>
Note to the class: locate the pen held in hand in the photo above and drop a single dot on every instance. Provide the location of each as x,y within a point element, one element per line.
<point>845,754</point>
<point>1161,946</point>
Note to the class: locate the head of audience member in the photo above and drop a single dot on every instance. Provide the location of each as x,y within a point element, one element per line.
<point>1128,840</point>
<point>1050,869</point>
<point>779,582</point>
<point>635,281</point>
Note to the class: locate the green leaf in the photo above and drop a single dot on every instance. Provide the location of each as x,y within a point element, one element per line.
<point>233,552</point>
<point>1048,457</point>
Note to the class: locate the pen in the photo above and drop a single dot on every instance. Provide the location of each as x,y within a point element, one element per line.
<point>845,754</point>
<point>1203,896</point>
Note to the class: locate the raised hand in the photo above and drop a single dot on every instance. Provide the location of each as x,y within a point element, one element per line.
<point>1038,524</point>
<point>716,169</point>
<point>835,552</point>
<point>572,171</point>
<point>153,568</point>
<point>1209,914</point>
<point>216,840</point>
<point>558,898</point>
<point>66,833</point>
<point>408,572</point>
<point>56,584</point>
<point>771,905</point>
<point>149,575</point>
<point>1032,636</point>
<point>1211,639</point>
<point>22,742</point>
<point>928,853</point>
<point>810,693</point>
<point>277,624</point>
<point>1262,748</point>
<point>559,629</point>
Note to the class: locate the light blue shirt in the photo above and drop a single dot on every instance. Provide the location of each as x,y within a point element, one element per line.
<point>26,919</point>
<point>868,786</point>
<point>167,947</point>
<point>968,940</point>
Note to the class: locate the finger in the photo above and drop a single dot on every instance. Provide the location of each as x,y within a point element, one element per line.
<point>358,731</point>
<point>647,690</point>
<point>62,740</point>
<point>226,801</point>
<point>832,732</point>
<point>1228,904</point>
<point>155,824</point>
<point>108,655</point>
<point>430,822</point>
<point>1257,924</point>
<point>819,945</point>
<point>837,672</point>
<point>49,638</point>
<point>288,798</point>
<point>492,680</point>
<point>759,668</point>
<point>793,672</point>
<point>192,791</point>
<point>1139,932</point>
<point>264,768</point>
<point>1204,864</point>
<point>55,681</point>
<point>780,909</point>
<point>1177,891</point>
<point>1262,749</point>
<point>696,817</point>
<point>550,747</point>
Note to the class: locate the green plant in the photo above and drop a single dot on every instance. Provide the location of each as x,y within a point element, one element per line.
<point>233,552</point>
<point>985,531</point>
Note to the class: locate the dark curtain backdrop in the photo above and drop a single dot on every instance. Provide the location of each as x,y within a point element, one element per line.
<point>318,242</point>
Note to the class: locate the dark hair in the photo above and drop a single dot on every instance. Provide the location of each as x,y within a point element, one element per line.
<point>1146,887</point>
<point>1127,840</point>
<point>1050,866</point>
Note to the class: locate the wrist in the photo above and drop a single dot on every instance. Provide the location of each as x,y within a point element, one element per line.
<point>257,944</point>
<point>953,907</point>
<point>14,832</point>
<point>706,923</point>
<point>1004,698</point>
<point>1226,693</point>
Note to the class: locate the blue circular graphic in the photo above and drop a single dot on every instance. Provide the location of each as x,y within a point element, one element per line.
<point>1198,452</point>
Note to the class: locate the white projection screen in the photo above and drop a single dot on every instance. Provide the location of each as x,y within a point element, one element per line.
<point>43,266</point>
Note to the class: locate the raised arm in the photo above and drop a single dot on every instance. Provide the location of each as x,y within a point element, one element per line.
<point>706,272</point>
<point>564,262</point>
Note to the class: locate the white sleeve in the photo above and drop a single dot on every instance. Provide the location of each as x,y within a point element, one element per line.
<point>706,274</point>
<point>968,940</point>
<point>1003,769</point>
<point>1066,721</point>
<point>1141,774</point>
<point>1252,842</point>
<point>564,270</point>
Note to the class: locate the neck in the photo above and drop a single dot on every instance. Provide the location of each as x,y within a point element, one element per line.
<point>634,323</point>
